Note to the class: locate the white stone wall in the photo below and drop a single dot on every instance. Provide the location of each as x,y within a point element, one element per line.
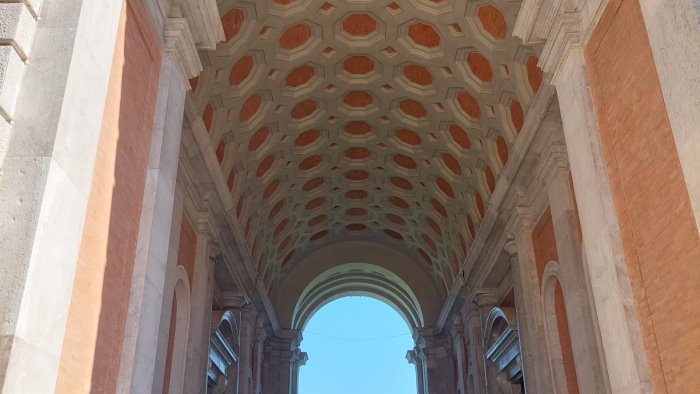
<point>17,25</point>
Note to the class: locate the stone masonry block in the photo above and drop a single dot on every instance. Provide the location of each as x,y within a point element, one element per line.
<point>34,5</point>
<point>4,139</point>
<point>17,27</point>
<point>11,69</point>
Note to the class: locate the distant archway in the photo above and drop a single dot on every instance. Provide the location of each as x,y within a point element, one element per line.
<point>353,268</point>
<point>357,344</point>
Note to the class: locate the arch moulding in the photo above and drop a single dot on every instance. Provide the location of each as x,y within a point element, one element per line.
<point>356,267</point>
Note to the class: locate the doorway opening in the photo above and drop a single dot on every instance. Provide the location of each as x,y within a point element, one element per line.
<point>357,344</point>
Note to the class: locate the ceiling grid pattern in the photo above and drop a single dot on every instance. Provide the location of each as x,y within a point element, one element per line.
<point>373,119</point>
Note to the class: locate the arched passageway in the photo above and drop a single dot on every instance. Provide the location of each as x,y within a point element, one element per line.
<point>186,183</point>
<point>357,345</point>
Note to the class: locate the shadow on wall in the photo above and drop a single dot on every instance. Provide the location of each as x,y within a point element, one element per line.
<point>94,331</point>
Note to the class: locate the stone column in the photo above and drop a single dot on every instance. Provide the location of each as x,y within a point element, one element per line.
<point>246,383</point>
<point>583,325</point>
<point>282,361</point>
<point>260,336</point>
<point>168,292</point>
<point>299,359</point>
<point>418,358</point>
<point>49,156</point>
<point>485,300</point>
<point>138,360</point>
<point>457,339</point>
<point>472,327</point>
<point>200,316</point>
<point>623,348</point>
<point>238,303</point>
<point>528,301</point>
<point>437,361</point>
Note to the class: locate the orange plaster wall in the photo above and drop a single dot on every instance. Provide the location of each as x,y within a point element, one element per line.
<point>659,235</point>
<point>95,326</point>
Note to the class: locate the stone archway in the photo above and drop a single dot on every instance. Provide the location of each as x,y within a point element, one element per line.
<point>181,319</point>
<point>558,340</point>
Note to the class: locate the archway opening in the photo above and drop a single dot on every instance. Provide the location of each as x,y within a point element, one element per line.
<point>357,344</point>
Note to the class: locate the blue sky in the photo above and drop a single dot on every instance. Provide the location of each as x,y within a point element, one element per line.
<point>356,346</point>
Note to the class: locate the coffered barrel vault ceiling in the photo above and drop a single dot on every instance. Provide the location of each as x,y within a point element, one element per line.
<point>380,120</point>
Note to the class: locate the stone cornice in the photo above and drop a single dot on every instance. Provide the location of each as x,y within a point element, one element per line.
<point>205,21</point>
<point>179,42</point>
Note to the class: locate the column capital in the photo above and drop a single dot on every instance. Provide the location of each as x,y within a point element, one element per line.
<point>555,163</point>
<point>283,346</point>
<point>456,326</point>
<point>415,356</point>
<point>511,247</point>
<point>235,299</point>
<point>299,358</point>
<point>484,297</point>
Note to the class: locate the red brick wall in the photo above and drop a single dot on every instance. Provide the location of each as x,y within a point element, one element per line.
<point>186,254</point>
<point>567,353</point>
<point>171,344</point>
<point>545,248</point>
<point>543,243</point>
<point>659,234</point>
<point>187,248</point>
<point>95,326</point>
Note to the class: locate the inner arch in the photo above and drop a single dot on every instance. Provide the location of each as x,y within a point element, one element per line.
<point>358,279</point>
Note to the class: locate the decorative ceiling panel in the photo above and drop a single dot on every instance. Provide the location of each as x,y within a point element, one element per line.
<point>383,120</point>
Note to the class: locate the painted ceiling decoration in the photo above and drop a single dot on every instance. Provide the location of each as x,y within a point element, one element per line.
<point>382,120</point>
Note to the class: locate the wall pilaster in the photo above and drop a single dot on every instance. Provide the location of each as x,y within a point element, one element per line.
<point>436,358</point>
<point>148,279</point>
<point>248,320</point>
<point>419,359</point>
<point>282,361</point>
<point>526,289</point>
<point>585,340</point>
<point>260,336</point>
<point>208,253</point>
<point>619,328</point>
<point>456,333</point>
<point>484,300</point>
